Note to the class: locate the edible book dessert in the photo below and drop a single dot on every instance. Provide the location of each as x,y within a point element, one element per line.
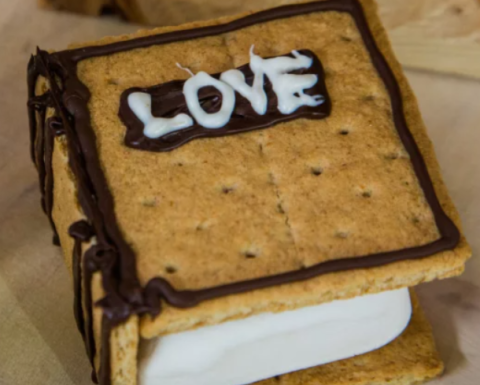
<point>162,12</point>
<point>246,199</point>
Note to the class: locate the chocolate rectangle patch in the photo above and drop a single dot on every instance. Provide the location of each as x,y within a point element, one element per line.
<point>256,95</point>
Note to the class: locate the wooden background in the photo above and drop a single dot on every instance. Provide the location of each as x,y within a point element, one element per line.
<point>440,35</point>
<point>39,343</point>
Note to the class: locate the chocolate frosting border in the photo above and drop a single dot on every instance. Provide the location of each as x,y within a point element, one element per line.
<point>112,255</point>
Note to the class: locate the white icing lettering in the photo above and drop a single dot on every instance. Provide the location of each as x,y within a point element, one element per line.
<point>141,105</point>
<point>214,120</point>
<point>256,95</point>
<point>289,89</point>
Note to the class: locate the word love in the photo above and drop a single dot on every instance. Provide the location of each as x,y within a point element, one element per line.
<point>289,89</point>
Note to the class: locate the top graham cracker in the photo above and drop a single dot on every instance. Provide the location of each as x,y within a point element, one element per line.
<point>217,211</point>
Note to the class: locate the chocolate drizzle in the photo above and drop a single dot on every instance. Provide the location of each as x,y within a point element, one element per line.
<point>168,100</point>
<point>111,255</point>
<point>119,279</point>
<point>41,149</point>
<point>80,231</point>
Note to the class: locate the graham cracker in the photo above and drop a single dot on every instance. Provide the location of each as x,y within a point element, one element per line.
<point>411,359</point>
<point>165,12</point>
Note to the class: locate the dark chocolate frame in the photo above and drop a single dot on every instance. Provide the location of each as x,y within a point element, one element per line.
<point>112,255</point>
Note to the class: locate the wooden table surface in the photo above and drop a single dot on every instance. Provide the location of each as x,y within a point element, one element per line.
<point>39,343</point>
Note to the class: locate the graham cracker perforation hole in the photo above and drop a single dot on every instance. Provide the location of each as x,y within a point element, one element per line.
<point>228,189</point>
<point>251,253</point>
<point>113,82</point>
<point>202,226</point>
<point>369,98</point>
<point>342,234</point>
<point>346,39</point>
<point>392,156</point>
<point>344,131</point>
<point>150,202</point>
<point>170,269</point>
<point>367,194</point>
<point>317,171</point>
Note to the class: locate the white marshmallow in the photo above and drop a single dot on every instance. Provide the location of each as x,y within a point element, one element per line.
<point>262,346</point>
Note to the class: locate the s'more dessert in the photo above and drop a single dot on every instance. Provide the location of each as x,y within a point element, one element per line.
<point>161,12</point>
<point>245,200</point>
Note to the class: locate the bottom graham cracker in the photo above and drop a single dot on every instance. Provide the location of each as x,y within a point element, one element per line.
<point>410,359</point>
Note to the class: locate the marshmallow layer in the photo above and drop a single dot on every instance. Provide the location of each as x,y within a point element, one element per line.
<point>262,346</point>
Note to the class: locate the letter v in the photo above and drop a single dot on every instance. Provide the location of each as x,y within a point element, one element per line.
<point>255,94</point>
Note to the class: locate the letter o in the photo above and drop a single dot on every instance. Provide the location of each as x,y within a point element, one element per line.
<point>217,119</point>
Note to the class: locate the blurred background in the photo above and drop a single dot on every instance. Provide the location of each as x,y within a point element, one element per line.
<point>437,41</point>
